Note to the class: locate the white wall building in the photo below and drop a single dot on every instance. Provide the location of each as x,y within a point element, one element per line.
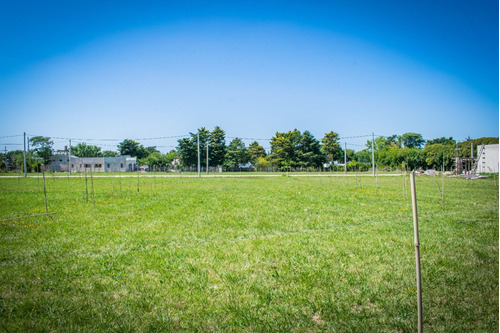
<point>487,158</point>
<point>59,163</point>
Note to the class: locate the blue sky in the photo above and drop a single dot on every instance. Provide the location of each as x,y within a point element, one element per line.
<point>88,70</point>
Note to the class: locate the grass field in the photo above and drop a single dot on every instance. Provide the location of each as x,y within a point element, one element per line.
<point>244,254</point>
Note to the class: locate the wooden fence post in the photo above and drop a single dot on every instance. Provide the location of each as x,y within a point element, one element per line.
<point>417,249</point>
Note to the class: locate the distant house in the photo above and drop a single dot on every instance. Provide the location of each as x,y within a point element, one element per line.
<point>487,157</point>
<point>59,163</point>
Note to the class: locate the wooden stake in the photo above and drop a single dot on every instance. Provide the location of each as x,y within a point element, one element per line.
<point>45,191</point>
<point>404,185</point>
<point>417,249</point>
<point>92,185</point>
<point>442,187</point>
<point>86,187</point>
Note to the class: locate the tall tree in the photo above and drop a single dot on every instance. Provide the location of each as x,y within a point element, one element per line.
<point>411,140</point>
<point>132,148</point>
<point>151,149</point>
<point>188,148</point>
<point>84,150</point>
<point>283,149</point>
<point>330,147</point>
<point>217,147</point>
<point>236,154</point>
<point>256,150</point>
<point>309,153</point>
<point>42,146</point>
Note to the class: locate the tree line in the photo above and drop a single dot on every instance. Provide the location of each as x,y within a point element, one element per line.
<point>292,150</point>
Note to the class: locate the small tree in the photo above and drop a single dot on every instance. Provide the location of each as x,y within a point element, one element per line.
<point>42,146</point>
<point>256,151</point>
<point>84,150</point>
<point>330,147</point>
<point>109,153</point>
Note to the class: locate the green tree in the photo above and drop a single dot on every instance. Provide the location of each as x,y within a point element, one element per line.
<point>256,151</point>
<point>331,148</point>
<point>15,159</point>
<point>293,149</point>
<point>170,157</point>
<point>437,155</point>
<point>109,153</point>
<point>411,140</point>
<point>187,148</point>
<point>382,142</point>
<point>442,141</point>
<point>309,152</point>
<point>151,149</point>
<point>217,147</point>
<point>262,163</point>
<point>153,160</point>
<point>42,147</point>
<point>464,147</point>
<point>394,157</point>
<point>283,149</point>
<point>84,150</point>
<point>132,148</point>
<point>363,156</point>
<point>236,154</point>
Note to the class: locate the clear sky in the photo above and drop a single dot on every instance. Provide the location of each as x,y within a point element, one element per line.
<point>143,69</point>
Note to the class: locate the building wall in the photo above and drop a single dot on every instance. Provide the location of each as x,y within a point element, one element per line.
<point>488,160</point>
<point>82,164</point>
<point>115,164</point>
<point>59,163</point>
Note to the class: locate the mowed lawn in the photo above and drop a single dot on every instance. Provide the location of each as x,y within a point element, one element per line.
<point>249,254</point>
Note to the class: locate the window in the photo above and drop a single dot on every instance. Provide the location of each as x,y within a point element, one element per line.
<point>87,165</point>
<point>121,165</point>
<point>97,165</point>
<point>109,165</point>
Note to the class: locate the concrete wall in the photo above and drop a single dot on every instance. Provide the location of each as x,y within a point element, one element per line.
<point>59,163</point>
<point>488,160</point>
<point>79,164</point>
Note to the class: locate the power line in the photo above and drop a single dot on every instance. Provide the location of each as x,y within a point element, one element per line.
<point>11,136</point>
<point>108,139</point>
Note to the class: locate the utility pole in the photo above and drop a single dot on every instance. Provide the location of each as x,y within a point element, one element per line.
<point>198,139</point>
<point>24,155</point>
<point>69,158</point>
<point>29,158</point>
<point>345,157</point>
<point>207,158</point>
<point>373,155</point>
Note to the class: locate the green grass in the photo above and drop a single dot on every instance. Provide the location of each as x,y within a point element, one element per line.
<point>247,254</point>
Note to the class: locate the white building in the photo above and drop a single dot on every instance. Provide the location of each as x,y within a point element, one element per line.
<point>487,158</point>
<point>97,164</point>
